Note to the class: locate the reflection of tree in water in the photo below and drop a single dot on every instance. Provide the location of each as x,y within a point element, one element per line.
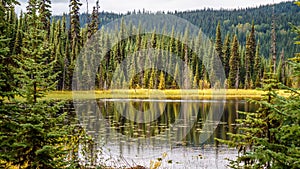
<point>160,119</point>
<point>172,123</point>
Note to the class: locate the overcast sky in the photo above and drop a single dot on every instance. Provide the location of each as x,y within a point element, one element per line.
<point>122,6</point>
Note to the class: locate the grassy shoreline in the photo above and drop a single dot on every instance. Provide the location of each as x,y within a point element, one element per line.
<point>159,94</point>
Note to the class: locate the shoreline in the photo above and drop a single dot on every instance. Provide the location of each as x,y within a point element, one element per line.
<point>171,94</point>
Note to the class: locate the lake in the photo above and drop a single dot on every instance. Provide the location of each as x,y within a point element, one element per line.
<point>178,133</point>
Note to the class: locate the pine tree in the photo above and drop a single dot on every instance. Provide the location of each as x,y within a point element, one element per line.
<point>7,88</point>
<point>234,64</point>
<point>185,53</point>
<point>252,50</point>
<point>215,70</point>
<point>161,85</point>
<point>226,55</point>
<point>38,140</point>
<point>248,62</point>
<point>93,26</point>
<point>257,67</point>
<point>12,24</point>
<point>152,79</point>
<point>74,37</point>
<point>154,39</point>
<point>75,26</point>
<point>6,74</point>
<point>34,58</point>
<point>219,45</point>
<point>281,69</point>
<point>269,138</point>
<point>176,76</point>
<point>45,15</point>
<point>195,82</point>
<point>273,44</point>
<point>19,36</point>
<point>242,67</point>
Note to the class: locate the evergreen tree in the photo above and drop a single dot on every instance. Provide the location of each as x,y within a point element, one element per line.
<point>234,64</point>
<point>185,53</point>
<point>248,62</point>
<point>45,15</point>
<point>154,39</point>
<point>195,82</point>
<point>252,50</point>
<point>281,69</point>
<point>269,138</point>
<point>6,74</point>
<point>226,55</point>
<point>12,24</point>
<point>74,37</point>
<point>93,26</point>
<point>6,91</point>
<point>273,44</point>
<point>35,54</point>
<point>18,39</point>
<point>161,85</point>
<point>30,135</point>
<point>257,67</point>
<point>152,79</point>
<point>7,88</point>
<point>219,45</point>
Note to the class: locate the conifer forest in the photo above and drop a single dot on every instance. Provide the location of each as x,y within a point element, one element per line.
<point>254,49</point>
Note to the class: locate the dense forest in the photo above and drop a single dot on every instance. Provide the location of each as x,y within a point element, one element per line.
<point>237,21</point>
<point>254,49</point>
<point>41,53</point>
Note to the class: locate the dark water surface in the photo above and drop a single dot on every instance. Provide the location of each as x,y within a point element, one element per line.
<point>179,132</point>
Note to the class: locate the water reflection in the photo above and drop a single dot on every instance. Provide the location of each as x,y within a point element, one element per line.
<point>141,130</point>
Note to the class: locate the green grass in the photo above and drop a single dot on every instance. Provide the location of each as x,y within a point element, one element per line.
<point>158,94</point>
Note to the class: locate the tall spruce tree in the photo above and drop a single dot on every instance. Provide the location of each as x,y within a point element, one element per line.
<point>248,64</point>
<point>38,140</point>
<point>93,26</point>
<point>257,67</point>
<point>6,74</point>
<point>252,50</point>
<point>226,55</point>
<point>273,44</point>
<point>219,44</point>
<point>18,40</point>
<point>269,137</point>
<point>75,39</point>
<point>45,15</point>
<point>7,88</point>
<point>35,54</point>
<point>234,63</point>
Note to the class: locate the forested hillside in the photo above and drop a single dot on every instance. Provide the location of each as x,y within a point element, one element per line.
<point>249,43</point>
<point>233,21</point>
<point>251,39</point>
<point>239,22</point>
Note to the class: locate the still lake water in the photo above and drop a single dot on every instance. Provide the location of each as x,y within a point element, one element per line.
<point>181,133</point>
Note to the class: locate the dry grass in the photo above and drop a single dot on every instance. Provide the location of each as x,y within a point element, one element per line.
<point>159,94</point>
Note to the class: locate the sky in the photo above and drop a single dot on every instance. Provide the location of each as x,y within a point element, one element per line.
<point>123,6</point>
